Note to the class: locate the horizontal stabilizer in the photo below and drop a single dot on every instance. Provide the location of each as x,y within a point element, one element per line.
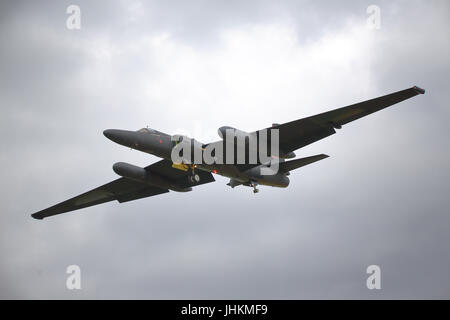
<point>297,163</point>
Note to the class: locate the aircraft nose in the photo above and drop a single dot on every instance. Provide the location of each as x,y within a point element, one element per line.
<point>123,137</point>
<point>110,133</point>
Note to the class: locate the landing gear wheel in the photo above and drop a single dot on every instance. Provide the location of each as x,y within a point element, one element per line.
<point>193,177</point>
<point>254,188</point>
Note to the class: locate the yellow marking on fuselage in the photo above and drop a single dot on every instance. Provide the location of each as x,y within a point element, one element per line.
<point>180,166</point>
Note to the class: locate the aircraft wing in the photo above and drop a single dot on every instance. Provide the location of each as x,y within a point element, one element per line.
<point>299,133</point>
<point>124,190</point>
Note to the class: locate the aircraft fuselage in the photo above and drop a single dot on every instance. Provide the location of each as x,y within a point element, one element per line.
<point>161,145</point>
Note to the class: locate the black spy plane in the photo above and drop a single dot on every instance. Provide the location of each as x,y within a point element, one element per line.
<point>164,175</point>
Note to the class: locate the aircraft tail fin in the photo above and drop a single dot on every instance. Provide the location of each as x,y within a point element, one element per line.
<point>297,163</point>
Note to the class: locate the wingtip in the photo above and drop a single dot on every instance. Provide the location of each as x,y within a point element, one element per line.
<point>37,217</point>
<point>419,90</point>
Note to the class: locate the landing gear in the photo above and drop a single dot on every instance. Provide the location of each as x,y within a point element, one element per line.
<point>255,190</point>
<point>193,177</point>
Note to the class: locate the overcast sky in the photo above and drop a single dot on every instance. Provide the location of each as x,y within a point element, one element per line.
<point>190,67</point>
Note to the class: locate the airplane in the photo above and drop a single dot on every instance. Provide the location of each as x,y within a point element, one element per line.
<point>166,175</point>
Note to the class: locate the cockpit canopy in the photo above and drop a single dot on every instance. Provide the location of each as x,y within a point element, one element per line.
<point>148,130</point>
